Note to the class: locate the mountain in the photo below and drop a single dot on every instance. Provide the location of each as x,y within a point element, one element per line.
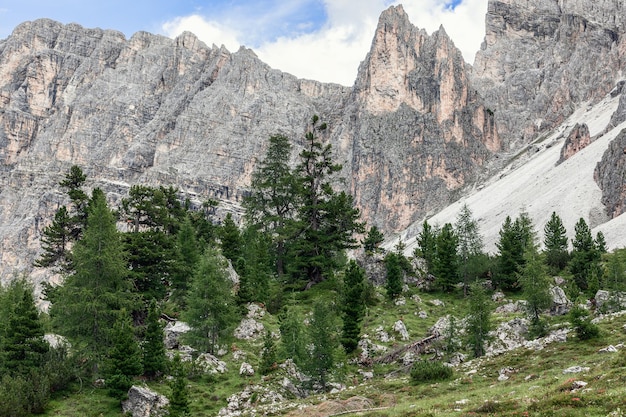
<point>419,128</point>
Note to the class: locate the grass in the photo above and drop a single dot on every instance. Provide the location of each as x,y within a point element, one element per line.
<point>536,386</point>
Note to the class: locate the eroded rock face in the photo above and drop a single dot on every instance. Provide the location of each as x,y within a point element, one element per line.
<point>610,175</point>
<point>577,140</point>
<point>541,58</point>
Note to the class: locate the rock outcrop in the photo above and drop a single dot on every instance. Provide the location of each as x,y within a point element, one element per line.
<point>610,175</point>
<point>577,140</point>
<point>542,58</point>
<point>143,402</point>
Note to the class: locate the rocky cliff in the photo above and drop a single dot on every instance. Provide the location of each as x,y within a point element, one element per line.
<point>155,110</point>
<point>542,58</point>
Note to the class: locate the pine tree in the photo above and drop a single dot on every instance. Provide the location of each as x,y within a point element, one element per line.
<point>427,246</point>
<point>470,245</point>
<point>211,310</point>
<point>124,360</point>
<point>555,243</point>
<point>179,399</point>
<point>584,255</point>
<point>536,288</point>
<point>55,242</point>
<point>446,261</point>
<point>268,355</point>
<point>515,238</point>
<point>23,346</point>
<point>73,182</point>
<point>85,307</point>
<point>395,277</point>
<point>293,337</point>
<point>479,319</point>
<point>353,305</point>
<point>186,259</point>
<point>323,341</point>
<point>230,237</point>
<point>372,241</point>
<point>271,203</point>
<point>600,243</point>
<point>154,358</point>
<point>254,268</point>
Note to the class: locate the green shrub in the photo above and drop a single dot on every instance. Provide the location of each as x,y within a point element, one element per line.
<point>581,322</point>
<point>430,371</point>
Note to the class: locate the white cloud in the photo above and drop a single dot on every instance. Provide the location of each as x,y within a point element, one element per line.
<point>333,52</point>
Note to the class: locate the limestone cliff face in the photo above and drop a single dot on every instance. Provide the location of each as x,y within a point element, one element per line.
<point>610,175</point>
<point>421,132</point>
<point>542,58</point>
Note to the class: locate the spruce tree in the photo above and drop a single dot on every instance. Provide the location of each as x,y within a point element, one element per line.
<point>124,360</point>
<point>427,246</point>
<point>154,358</point>
<point>446,261</point>
<point>584,255</point>
<point>230,237</point>
<point>479,319</point>
<point>271,203</point>
<point>536,289</point>
<point>470,246</point>
<point>86,305</point>
<point>211,310</point>
<point>73,182</point>
<point>293,337</point>
<point>353,305</point>
<point>515,238</point>
<point>254,267</point>
<point>268,355</point>
<point>371,243</point>
<point>187,255</point>
<point>323,340</point>
<point>23,347</point>
<point>179,399</point>
<point>394,276</point>
<point>555,243</point>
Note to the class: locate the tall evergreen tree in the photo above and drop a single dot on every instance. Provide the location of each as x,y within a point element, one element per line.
<point>187,257</point>
<point>268,355</point>
<point>211,310</point>
<point>555,243</point>
<point>446,261</point>
<point>479,319</point>
<point>470,245</point>
<point>154,358</point>
<point>427,246</point>
<point>23,346</point>
<point>230,237</point>
<point>600,243</point>
<point>515,238</point>
<point>73,183</point>
<point>271,203</point>
<point>394,275</point>
<point>124,360</point>
<point>85,307</point>
<point>584,255</point>
<point>372,241</point>
<point>55,242</point>
<point>254,267</point>
<point>323,339</point>
<point>179,399</point>
<point>536,288</point>
<point>326,220</point>
<point>353,305</point>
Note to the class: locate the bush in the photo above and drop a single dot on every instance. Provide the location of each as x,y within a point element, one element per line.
<point>581,322</point>
<point>430,371</point>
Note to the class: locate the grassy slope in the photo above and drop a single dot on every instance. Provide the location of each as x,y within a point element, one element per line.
<point>536,387</point>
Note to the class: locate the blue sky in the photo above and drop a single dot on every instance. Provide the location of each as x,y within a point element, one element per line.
<point>289,35</point>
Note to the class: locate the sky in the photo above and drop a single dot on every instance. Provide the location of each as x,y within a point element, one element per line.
<point>323,40</point>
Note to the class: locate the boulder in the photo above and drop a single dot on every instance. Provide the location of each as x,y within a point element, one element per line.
<point>210,364</point>
<point>143,402</point>
<point>382,335</point>
<point>560,303</point>
<point>509,335</point>
<point>246,369</point>
<point>255,311</point>
<point>249,329</point>
<point>400,328</point>
<point>173,332</point>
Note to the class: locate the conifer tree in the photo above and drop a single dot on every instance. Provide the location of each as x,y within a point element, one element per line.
<point>446,261</point>
<point>372,241</point>
<point>86,305</point>
<point>479,319</point>
<point>230,237</point>
<point>600,243</point>
<point>470,245</point>
<point>23,347</point>
<point>293,336</point>
<point>211,310</point>
<point>427,246</point>
<point>323,340</point>
<point>254,267</point>
<point>179,399</point>
<point>55,242</point>
<point>271,203</point>
<point>515,238</point>
<point>353,305</point>
<point>555,243</point>
<point>124,360</point>
<point>584,255</point>
<point>395,279</point>
<point>73,182</point>
<point>268,355</point>
<point>536,288</point>
<point>154,358</point>
<point>187,257</point>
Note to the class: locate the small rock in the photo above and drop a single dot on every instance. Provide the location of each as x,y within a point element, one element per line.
<point>382,335</point>
<point>575,369</point>
<point>560,303</point>
<point>608,349</point>
<point>559,281</point>
<point>576,385</point>
<point>248,329</point>
<point>505,373</point>
<point>56,340</point>
<point>246,369</point>
<point>400,328</point>
<point>143,402</point>
<point>400,301</point>
<point>239,355</point>
<point>255,311</point>
<point>366,374</point>
<point>422,315</point>
<point>498,297</point>
<point>437,303</point>
<point>210,364</point>
<point>416,298</point>
<point>99,383</point>
<point>462,402</point>
<point>173,332</point>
